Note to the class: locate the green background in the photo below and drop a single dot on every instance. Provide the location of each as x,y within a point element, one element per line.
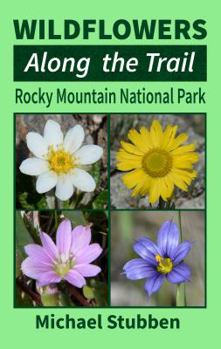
<point>199,327</point>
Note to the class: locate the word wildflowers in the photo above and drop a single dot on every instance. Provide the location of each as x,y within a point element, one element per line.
<point>59,161</point>
<point>160,261</point>
<point>69,259</point>
<point>156,161</point>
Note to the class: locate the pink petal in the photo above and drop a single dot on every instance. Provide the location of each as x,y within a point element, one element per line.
<point>87,269</point>
<point>49,245</point>
<point>63,237</point>
<point>38,254</point>
<point>88,254</point>
<point>34,270</point>
<point>81,237</point>
<point>47,278</point>
<point>75,278</point>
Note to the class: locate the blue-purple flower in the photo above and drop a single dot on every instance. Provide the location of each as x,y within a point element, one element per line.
<point>160,261</point>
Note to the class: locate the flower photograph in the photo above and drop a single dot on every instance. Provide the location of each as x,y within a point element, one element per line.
<point>61,258</point>
<point>61,161</point>
<point>157,161</point>
<point>158,258</point>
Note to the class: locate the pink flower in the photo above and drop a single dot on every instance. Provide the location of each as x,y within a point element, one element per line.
<point>69,259</point>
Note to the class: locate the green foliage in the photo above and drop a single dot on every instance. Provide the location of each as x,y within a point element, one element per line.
<point>97,291</point>
<point>100,292</point>
<point>53,297</point>
<point>76,217</point>
<point>22,238</point>
<point>180,295</point>
<point>95,172</point>
<point>31,202</point>
<point>101,200</point>
<point>88,292</point>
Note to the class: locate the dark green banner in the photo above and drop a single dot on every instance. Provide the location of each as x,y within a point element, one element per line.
<point>110,63</point>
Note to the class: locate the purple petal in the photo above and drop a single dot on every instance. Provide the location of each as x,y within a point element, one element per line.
<point>180,273</point>
<point>138,269</point>
<point>49,245</point>
<point>88,254</point>
<point>81,237</point>
<point>38,254</point>
<point>63,237</point>
<point>181,251</point>
<point>34,270</point>
<point>87,269</point>
<point>75,278</point>
<point>168,238</point>
<point>147,250</point>
<point>47,278</point>
<point>153,284</point>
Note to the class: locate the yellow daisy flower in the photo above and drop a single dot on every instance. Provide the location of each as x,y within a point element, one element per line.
<point>157,161</point>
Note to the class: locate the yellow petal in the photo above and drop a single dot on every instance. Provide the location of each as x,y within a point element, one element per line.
<point>167,188</point>
<point>132,178</point>
<point>123,155</point>
<point>184,149</point>
<point>138,140</point>
<point>177,141</point>
<point>187,176</point>
<point>156,133</point>
<point>142,188</point>
<point>178,181</point>
<point>130,148</point>
<point>127,165</point>
<point>154,194</point>
<point>168,136</point>
<point>179,160</point>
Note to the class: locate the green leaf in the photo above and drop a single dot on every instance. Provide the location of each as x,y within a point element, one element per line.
<point>52,298</point>
<point>22,238</point>
<point>88,292</point>
<point>101,200</point>
<point>42,203</point>
<point>95,172</point>
<point>23,200</point>
<point>100,292</point>
<point>76,217</point>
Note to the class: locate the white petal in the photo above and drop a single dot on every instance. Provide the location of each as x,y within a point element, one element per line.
<point>64,187</point>
<point>88,154</point>
<point>74,138</point>
<point>46,181</point>
<point>52,133</point>
<point>36,144</point>
<point>34,166</point>
<point>83,180</point>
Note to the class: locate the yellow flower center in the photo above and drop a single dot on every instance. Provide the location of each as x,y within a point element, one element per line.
<point>157,163</point>
<point>60,161</point>
<point>165,265</point>
<point>62,267</point>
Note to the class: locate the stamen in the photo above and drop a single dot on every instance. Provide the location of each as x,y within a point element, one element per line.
<point>165,265</point>
<point>60,161</point>
<point>63,265</point>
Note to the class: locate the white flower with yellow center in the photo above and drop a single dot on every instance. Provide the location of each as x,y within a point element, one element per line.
<point>59,161</point>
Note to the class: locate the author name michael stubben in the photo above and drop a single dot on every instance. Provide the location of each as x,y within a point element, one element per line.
<point>101,321</point>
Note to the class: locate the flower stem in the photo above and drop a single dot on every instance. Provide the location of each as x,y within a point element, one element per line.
<point>56,219</point>
<point>50,199</point>
<point>180,292</point>
<point>180,226</point>
<point>180,295</point>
